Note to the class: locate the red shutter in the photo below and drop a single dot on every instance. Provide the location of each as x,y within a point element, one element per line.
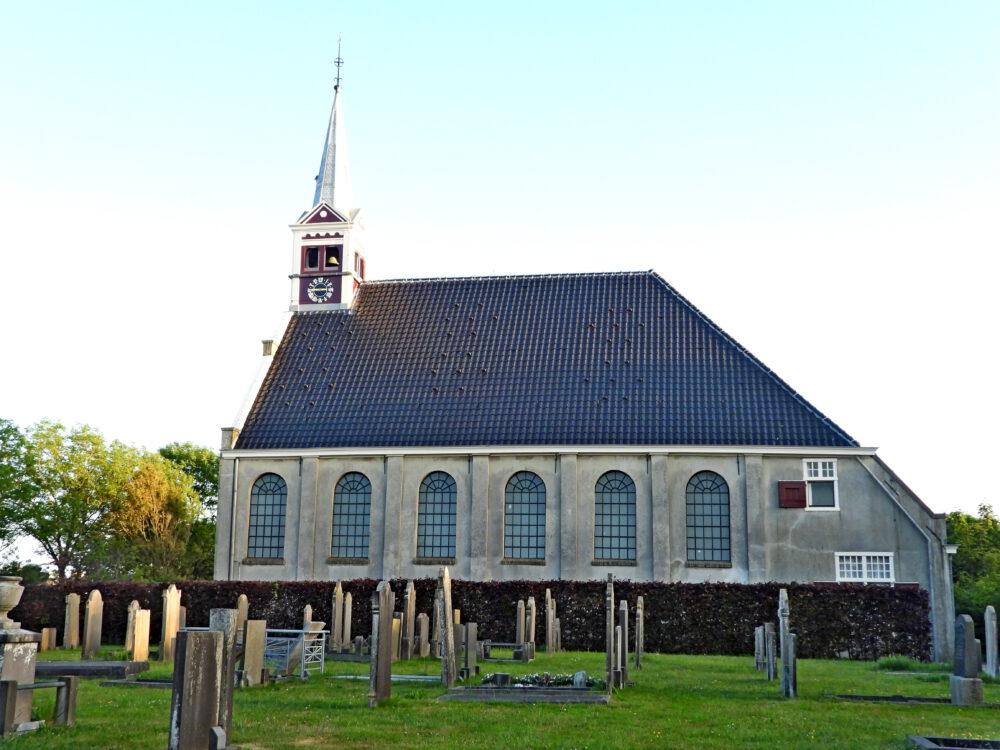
<point>791,494</point>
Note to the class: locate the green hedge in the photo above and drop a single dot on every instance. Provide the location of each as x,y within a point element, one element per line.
<point>867,622</point>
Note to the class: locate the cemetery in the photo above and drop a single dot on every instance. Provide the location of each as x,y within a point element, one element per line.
<point>394,663</point>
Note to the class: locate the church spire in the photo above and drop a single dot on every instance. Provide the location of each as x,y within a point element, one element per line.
<point>333,183</point>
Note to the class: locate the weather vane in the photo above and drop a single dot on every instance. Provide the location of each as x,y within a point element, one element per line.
<point>338,62</point>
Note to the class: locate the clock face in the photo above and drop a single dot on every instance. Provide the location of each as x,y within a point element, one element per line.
<point>320,290</point>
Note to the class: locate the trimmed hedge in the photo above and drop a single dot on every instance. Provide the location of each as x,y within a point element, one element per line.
<point>866,622</point>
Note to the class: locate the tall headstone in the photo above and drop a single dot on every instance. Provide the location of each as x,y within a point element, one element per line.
<point>990,636</point>
<point>194,704</point>
<point>48,639</point>
<point>640,631</point>
<point>254,641</point>
<point>171,621</point>
<point>530,619</point>
<point>133,607</point>
<point>966,687</point>
<point>771,651</point>
<point>93,621</point>
<point>71,625</point>
<point>449,667</point>
<point>307,616</point>
<point>759,658</point>
<point>409,619</point>
<point>438,616</point>
<point>550,623</point>
<point>140,636</point>
<point>337,643</point>
<point>423,635</point>
<point>789,667</point>
<point>242,615</point>
<point>519,622</point>
<point>470,665</point>
<point>623,624</point>
<point>380,670</point>
<point>345,640</point>
<point>224,621</point>
<point>397,635</point>
<point>784,615</point>
<point>609,631</point>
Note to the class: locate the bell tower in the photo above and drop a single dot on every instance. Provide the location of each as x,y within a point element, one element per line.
<point>328,259</point>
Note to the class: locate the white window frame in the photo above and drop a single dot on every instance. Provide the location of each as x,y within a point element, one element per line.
<point>815,470</point>
<point>867,565</point>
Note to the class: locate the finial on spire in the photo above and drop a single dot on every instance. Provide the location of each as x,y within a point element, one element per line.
<point>338,62</point>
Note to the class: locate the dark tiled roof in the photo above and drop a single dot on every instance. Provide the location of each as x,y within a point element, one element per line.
<point>579,359</point>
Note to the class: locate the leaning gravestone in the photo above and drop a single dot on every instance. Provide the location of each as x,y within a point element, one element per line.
<point>71,626</point>
<point>171,621</point>
<point>990,635</point>
<point>966,687</point>
<point>337,642</point>
<point>133,607</point>
<point>409,619</point>
<point>307,616</point>
<point>449,666</point>
<point>380,648</point>
<point>194,704</point>
<point>93,620</point>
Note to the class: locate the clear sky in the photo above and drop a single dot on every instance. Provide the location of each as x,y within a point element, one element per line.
<point>822,179</point>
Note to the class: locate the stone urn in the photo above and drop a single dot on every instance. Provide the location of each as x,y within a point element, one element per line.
<point>10,594</point>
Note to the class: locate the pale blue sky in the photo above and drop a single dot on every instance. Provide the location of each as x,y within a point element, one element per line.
<point>820,178</point>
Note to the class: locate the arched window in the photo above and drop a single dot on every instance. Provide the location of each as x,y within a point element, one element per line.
<point>524,517</point>
<point>352,502</point>
<point>614,517</point>
<point>708,518</point>
<point>267,517</point>
<point>436,516</point>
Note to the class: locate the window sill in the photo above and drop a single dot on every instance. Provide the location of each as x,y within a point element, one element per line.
<point>522,561</point>
<point>433,560</point>
<point>707,564</point>
<point>347,561</point>
<point>263,561</point>
<point>821,508</point>
<point>624,563</point>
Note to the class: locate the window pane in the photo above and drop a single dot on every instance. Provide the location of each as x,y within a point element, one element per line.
<point>821,494</point>
<point>352,501</point>
<point>436,516</point>
<point>266,536</point>
<point>614,517</point>
<point>708,518</point>
<point>524,517</point>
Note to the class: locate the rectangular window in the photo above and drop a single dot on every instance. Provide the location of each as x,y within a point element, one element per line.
<point>820,476</point>
<point>865,567</point>
<point>310,258</point>
<point>331,258</point>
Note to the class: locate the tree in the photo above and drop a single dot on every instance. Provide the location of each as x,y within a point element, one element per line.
<point>203,466</point>
<point>976,565</point>
<point>78,479</point>
<point>16,487</point>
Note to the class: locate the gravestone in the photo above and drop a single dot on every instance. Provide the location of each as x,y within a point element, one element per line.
<point>337,642</point>
<point>966,687</point>
<point>48,639</point>
<point>558,635</point>
<point>133,607</point>
<point>299,650</point>
<point>254,641</point>
<point>140,636</point>
<point>242,615</point>
<point>409,619</point>
<point>93,621</point>
<point>530,619</point>
<point>437,614</point>
<point>784,615</point>
<point>224,621</point>
<point>759,655</point>
<point>550,623</point>
<point>380,648</point>
<point>771,651</point>
<point>307,616</point>
<point>71,625</point>
<point>171,621</point>
<point>616,658</point>
<point>640,632</point>
<point>519,622</point>
<point>457,616</point>
<point>789,667</point>
<point>182,617</point>
<point>470,665</point>
<point>194,703</point>
<point>990,636</point>
<point>348,613</point>
<point>423,635</point>
<point>609,631</point>
<point>449,667</point>
<point>397,635</point>
<point>358,648</point>
<point>623,626</point>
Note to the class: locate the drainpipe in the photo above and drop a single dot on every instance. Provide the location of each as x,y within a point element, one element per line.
<point>232,516</point>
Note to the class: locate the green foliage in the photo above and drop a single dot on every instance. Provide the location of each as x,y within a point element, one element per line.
<point>28,573</point>
<point>202,464</point>
<point>16,487</point>
<point>976,565</point>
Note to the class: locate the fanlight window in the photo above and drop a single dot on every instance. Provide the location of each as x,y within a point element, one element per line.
<point>524,517</point>
<point>614,517</point>
<point>268,498</point>
<point>436,516</point>
<point>708,518</point>
<point>352,501</point>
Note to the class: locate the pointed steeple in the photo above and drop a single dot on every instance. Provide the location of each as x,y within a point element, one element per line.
<point>333,183</point>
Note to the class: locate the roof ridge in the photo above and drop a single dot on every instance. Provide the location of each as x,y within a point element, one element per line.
<point>578,274</point>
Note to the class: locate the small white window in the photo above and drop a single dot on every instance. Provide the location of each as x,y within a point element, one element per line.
<point>865,567</point>
<point>821,483</point>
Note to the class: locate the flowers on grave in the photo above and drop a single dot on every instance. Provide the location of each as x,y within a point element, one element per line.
<point>544,680</point>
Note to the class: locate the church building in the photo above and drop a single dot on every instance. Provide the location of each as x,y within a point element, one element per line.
<point>548,427</point>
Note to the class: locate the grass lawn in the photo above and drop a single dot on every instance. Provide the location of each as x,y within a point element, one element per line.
<point>677,701</point>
